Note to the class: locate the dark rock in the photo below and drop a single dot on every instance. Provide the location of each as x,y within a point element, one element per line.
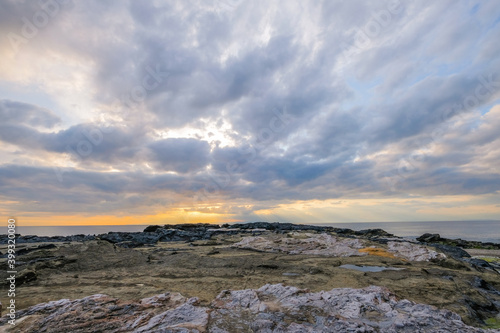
<point>268,266</point>
<point>46,239</point>
<point>53,263</point>
<point>191,226</point>
<point>452,251</point>
<point>129,244</point>
<point>479,264</point>
<point>454,264</point>
<point>315,270</point>
<point>152,228</point>
<point>477,282</point>
<point>429,238</point>
<point>25,277</point>
<point>481,309</point>
<point>344,231</point>
<point>438,272</point>
<point>280,227</point>
<point>436,238</point>
<point>27,250</point>
<point>214,251</point>
<point>373,233</point>
<point>195,231</point>
<point>204,231</point>
<point>134,237</point>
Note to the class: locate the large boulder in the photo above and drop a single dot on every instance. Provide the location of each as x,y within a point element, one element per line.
<point>429,238</point>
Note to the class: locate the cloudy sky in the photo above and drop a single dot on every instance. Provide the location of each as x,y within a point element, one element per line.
<point>232,110</point>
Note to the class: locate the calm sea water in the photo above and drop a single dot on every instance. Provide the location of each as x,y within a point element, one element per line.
<point>485,231</point>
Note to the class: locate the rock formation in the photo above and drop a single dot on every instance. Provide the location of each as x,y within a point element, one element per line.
<point>327,245</point>
<point>311,244</point>
<point>271,308</point>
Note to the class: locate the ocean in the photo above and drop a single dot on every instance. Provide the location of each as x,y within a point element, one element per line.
<point>484,231</point>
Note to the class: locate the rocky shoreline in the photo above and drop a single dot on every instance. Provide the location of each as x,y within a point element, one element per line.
<point>193,232</point>
<point>293,278</point>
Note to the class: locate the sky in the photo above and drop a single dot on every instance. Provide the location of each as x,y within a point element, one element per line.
<point>156,112</point>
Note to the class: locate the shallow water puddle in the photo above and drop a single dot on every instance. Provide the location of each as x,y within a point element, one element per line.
<point>370,268</point>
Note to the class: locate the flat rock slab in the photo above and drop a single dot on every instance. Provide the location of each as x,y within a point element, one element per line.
<point>414,252</point>
<point>309,244</point>
<point>328,245</point>
<point>271,308</point>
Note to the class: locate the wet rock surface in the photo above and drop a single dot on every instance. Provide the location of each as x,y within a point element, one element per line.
<point>271,308</point>
<point>197,261</point>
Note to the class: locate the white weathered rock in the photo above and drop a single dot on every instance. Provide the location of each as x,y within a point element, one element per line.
<point>169,312</point>
<point>271,308</point>
<point>312,244</point>
<point>327,245</point>
<point>414,252</point>
<point>276,308</point>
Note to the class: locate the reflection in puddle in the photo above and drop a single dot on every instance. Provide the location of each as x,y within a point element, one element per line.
<point>371,268</point>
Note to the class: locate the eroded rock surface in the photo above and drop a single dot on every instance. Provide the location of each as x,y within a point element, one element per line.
<point>276,308</point>
<point>414,252</point>
<point>327,245</point>
<point>271,308</point>
<point>312,244</point>
<point>101,313</point>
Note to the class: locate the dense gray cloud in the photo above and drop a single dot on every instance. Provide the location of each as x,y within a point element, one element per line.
<point>181,155</point>
<point>253,100</point>
<point>13,112</point>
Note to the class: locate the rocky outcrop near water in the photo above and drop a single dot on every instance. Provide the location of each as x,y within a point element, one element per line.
<point>203,260</point>
<point>20,239</point>
<point>464,244</point>
<point>193,232</point>
<point>271,308</point>
<point>328,245</point>
<point>455,249</point>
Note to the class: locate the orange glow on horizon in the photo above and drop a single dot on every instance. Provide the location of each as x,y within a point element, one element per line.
<point>301,211</point>
<point>175,218</point>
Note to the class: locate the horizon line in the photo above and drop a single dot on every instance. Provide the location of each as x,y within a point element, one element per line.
<point>215,223</point>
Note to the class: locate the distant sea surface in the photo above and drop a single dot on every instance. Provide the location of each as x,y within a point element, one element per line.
<point>484,231</point>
